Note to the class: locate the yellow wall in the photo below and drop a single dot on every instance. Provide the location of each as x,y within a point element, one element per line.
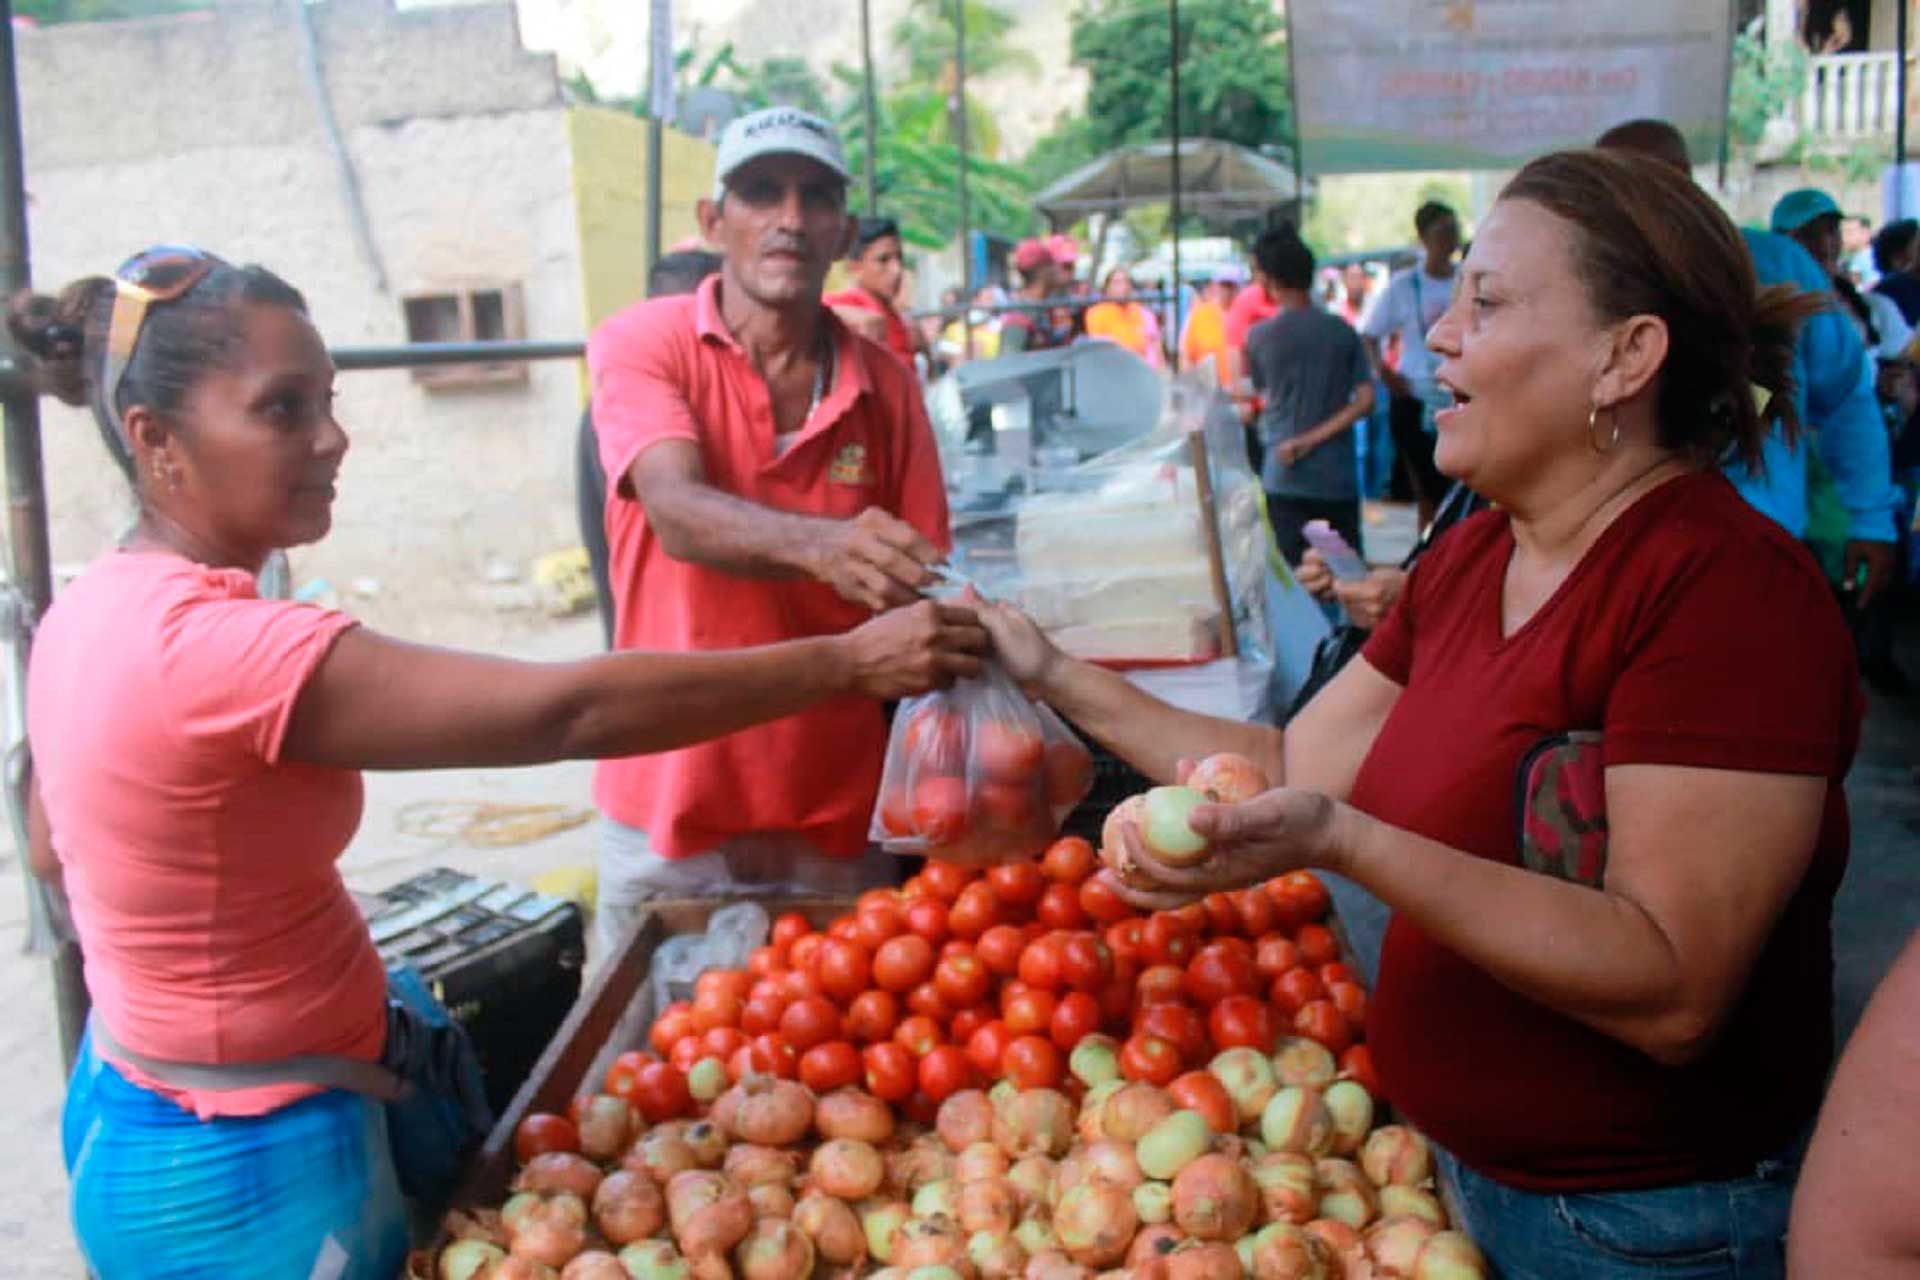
<point>610,200</point>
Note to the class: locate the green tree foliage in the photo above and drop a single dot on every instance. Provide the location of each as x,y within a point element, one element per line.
<point>925,33</point>
<point>917,157</point>
<point>1765,84</point>
<point>1233,76</point>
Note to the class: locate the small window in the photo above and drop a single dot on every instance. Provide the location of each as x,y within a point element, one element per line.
<point>476,313</point>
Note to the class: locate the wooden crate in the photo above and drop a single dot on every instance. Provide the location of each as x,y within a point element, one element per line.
<point>560,1072</point>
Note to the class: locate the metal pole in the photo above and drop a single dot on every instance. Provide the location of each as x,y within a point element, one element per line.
<point>1173,111</point>
<point>960,135</point>
<point>656,142</point>
<point>868,109</point>
<point>656,129</point>
<point>1900,115</point>
<point>32,567</point>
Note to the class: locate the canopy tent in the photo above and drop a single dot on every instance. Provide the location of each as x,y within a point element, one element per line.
<point>1220,183</point>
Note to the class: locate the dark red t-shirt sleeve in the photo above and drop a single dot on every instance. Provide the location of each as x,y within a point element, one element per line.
<point>1739,660</point>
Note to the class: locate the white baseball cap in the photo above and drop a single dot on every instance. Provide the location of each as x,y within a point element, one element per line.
<point>777,131</point>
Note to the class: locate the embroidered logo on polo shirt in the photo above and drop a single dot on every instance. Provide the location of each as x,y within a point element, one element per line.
<point>849,466</point>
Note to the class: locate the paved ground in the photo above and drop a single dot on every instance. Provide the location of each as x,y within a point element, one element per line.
<point>1879,906</point>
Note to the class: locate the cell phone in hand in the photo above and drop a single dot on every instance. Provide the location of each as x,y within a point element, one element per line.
<point>1342,560</point>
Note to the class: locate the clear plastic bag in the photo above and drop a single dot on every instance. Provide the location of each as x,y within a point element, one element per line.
<point>977,774</point>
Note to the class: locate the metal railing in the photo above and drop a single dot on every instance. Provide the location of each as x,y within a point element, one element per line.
<point>1851,98</point>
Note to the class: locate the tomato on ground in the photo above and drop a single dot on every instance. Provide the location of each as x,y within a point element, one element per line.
<point>1180,1026</point>
<point>674,1024</point>
<point>1077,1016</point>
<point>1202,1091</point>
<point>1274,954</point>
<point>967,1021</point>
<point>1069,860</point>
<point>1018,884</point>
<point>1043,963</point>
<point>944,1072</point>
<point>1086,962</point>
<point>845,969</point>
<point>1033,1063</point>
<point>1029,1012</point>
<point>872,1016</point>
<point>928,918</point>
<point>1149,1058</point>
<point>624,1074</point>
<point>987,1047</point>
<point>1321,1020</point>
<point>809,1021</point>
<point>903,963</point>
<point>1242,1021</point>
<point>1357,1064</point>
<point>919,1033</point>
<point>974,912</point>
<point>1059,907</point>
<point>772,1055</point>
<point>1165,939</point>
<point>1295,988</point>
<point>1350,998</point>
<point>892,1073</point>
<point>962,980</point>
<point>1317,945</point>
<point>543,1132</point>
<point>1219,971</point>
<point>789,926</point>
<point>661,1093</point>
<point>945,879</point>
<point>830,1066</point>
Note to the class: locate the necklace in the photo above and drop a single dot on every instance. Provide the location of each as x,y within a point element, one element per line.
<point>822,365</point>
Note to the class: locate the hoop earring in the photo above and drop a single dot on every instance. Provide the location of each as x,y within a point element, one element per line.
<point>1613,441</point>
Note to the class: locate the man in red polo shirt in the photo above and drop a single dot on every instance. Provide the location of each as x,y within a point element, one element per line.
<point>776,477</point>
<point>876,264</point>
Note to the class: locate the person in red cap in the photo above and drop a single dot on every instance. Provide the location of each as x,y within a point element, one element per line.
<point>1041,276</point>
<point>774,476</point>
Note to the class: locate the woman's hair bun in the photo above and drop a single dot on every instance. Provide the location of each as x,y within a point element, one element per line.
<point>53,328</point>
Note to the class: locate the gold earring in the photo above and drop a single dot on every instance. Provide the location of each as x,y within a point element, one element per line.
<point>1593,416</point>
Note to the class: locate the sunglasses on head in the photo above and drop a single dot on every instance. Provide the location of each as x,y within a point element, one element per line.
<point>160,274</point>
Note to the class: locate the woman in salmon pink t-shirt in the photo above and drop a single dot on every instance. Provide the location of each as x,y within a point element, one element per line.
<point>1592,759</point>
<point>196,774</point>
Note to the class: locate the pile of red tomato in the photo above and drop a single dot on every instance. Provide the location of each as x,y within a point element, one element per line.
<point>962,977</point>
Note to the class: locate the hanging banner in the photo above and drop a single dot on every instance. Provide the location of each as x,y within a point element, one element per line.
<point>1488,84</point>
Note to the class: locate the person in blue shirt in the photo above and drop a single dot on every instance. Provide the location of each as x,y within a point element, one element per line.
<point>1832,390</point>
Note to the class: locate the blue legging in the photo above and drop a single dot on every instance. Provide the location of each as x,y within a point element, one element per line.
<point>305,1191</point>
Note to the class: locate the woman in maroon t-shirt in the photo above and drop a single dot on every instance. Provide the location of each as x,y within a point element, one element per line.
<point>1592,760</point>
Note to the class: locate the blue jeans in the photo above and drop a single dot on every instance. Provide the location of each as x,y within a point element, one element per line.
<point>1734,1230</point>
<point>1363,917</point>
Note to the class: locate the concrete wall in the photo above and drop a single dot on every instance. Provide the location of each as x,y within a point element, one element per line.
<point>610,200</point>
<point>203,129</point>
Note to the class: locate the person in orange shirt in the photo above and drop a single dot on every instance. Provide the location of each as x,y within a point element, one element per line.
<point>775,476</point>
<point>1205,336</point>
<point>197,757</point>
<point>1121,320</point>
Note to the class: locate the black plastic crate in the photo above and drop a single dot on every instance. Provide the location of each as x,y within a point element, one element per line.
<point>504,960</point>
